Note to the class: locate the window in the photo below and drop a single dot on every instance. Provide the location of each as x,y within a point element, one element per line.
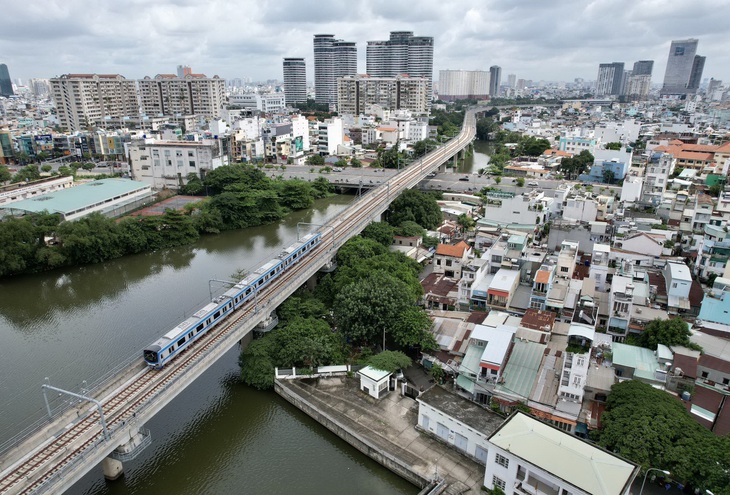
<point>501,460</point>
<point>498,483</point>
<point>192,163</point>
<point>726,381</point>
<point>564,269</point>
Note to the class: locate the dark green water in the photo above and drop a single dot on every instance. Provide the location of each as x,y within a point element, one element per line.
<point>218,436</point>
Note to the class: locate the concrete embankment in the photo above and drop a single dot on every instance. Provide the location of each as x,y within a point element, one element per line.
<point>384,430</point>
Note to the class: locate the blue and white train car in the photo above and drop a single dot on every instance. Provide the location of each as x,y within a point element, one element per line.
<point>184,334</point>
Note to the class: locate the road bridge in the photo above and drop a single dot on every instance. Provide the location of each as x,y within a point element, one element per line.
<point>109,427</point>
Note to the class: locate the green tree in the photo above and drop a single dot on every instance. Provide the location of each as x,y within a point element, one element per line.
<point>608,176</point>
<point>672,332</point>
<point>315,160</point>
<point>321,187</point>
<point>5,174</point>
<point>45,168</point>
<point>355,163</point>
<point>366,308</point>
<point>193,185</point>
<point>342,163</point>
<point>257,362</point>
<point>415,206</point>
<point>466,222</point>
<point>533,146</point>
<point>390,361</point>
<point>241,175</point>
<point>420,148</point>
<point>88,166</point>
<point>301,305</point>
<point>485,127</point>
<point>613,146</point>
<point>412,329</point>
<point>296,194</point>
<point>65,171</point>
<point>380,232</point>
<point>409,228</point>
<point>308,342</point>
<point>359,249</point>
<point>520,182</point>
<point>653,429</point>
<point>27,174</point>
<point>497,180</point>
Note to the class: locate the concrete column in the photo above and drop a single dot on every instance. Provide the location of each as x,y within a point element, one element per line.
<point>442,167</point>
<point>245,340</point>
<point>112,468</point>
<point>312,282</point>
<point>456,160</point>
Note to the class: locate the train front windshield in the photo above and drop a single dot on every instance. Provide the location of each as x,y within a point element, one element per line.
<point>150,356</point>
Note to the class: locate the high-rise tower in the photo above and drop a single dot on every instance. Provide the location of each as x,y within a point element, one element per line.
<point>610,80</point>
<point>684,68</point>
<point>295,80</point>
<point>332,59</point>
<point>643,68</point>
<point>6,85</point>
<point>495,76</point>
<point>403,53</point>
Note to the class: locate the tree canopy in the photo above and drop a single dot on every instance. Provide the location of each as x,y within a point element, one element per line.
<point>668,332</point>
<point>380,232</point>
<point>652,428</point>
<point>573,167</point>
<point>390,361</point>
<point>415,206</point>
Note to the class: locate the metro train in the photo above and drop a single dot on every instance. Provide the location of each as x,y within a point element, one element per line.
<point>186,333</point>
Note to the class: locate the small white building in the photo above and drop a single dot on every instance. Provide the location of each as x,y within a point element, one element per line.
<point>374,382</point>
<point>457,421</point>
<point>581,209</point>
<point>527,456</point>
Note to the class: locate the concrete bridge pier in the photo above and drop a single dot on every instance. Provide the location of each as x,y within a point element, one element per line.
<point>442,167</point>
<point>137,440</point>
<point>112,468</point>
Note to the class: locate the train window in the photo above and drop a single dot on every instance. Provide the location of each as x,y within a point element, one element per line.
<point>190,335</point>
<point>272,273</point>
<point>248,291</point>
<point>304,248</point>
<point>200,327</point>
<point>217,314</point>
<point>261,282</point>
<point>181,342</point>
<point>294,257</point>
<point>207,321</point>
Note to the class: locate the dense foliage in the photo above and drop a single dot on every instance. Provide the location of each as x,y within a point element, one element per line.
<point>653,429</point>
<point>579,164</point>
<point>242,197</point>
<point>372,294</point>
<point>415,206</point>
<point>668,332</point>
<point>390,361</point>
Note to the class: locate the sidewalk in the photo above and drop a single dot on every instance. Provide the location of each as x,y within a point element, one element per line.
<point>387,427</point>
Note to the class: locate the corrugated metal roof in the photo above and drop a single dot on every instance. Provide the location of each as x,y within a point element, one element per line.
<point>521,370</point>
<point>79,197</point>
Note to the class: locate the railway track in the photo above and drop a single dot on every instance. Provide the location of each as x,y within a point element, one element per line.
<point>50,458</point>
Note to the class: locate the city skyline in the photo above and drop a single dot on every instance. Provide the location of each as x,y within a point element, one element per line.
<point>137,39</point>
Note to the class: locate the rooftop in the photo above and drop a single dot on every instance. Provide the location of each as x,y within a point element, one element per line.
<point>565,456</point>
<point>521,371</point>
<point>463,410</point>
<point>538,319</point>
<point>455,250</point>
<point>82,196</point>
<point>642,360</point>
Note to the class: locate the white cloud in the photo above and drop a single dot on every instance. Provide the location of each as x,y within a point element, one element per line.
<point>535,39</point>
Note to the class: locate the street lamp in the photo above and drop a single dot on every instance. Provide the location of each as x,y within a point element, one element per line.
<point>647,473</point>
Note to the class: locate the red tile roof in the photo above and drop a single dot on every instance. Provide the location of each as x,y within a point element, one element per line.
<point>457,250</point>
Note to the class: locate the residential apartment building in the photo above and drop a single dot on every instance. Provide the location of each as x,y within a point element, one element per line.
<point>295,80</point>
<point>609,81</point>
<point>521,460</point>
<point>656,177</point>
<point>194,94</point>
<point>356,93</point>
<point>333,59</point>
<point>463,85</point>
<point>85,100</point>
<point>264,103</point>
<point>167,164</point>
<point>403,53</point>
<point>330,135</point>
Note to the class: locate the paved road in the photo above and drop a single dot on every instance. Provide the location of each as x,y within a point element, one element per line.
<point>444,181</point>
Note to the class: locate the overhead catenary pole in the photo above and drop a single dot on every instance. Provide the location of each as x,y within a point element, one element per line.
<point>45,387</point>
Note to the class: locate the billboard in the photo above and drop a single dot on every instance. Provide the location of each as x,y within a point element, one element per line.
<point>43,142</point>
<point>298,144</point>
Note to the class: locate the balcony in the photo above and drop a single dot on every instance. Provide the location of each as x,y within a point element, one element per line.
<point>533,486</point>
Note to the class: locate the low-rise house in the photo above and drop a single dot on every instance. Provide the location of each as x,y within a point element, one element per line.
<point>637,363</point>
<point>374,382</point>
<point>678,282</point>
<point>527,456</point>
<point>449,259</point>
<point>457,421</point>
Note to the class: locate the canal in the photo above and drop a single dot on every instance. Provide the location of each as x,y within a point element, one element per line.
<point>478,160</point>
<point>218,436</point>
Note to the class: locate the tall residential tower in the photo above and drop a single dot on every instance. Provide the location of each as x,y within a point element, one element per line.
<point>610,80</point>
<point>295,80</point>
<point>333,58</point>
<point>495,76</point>
<point>403,53</point>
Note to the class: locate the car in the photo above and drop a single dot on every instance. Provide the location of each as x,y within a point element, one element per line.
<point>465,178</point>
<point>337,169</point>
<point>432,174</point>
<point>533,183</point>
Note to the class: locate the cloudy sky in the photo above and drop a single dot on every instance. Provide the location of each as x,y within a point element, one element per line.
<point>535,39</point>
